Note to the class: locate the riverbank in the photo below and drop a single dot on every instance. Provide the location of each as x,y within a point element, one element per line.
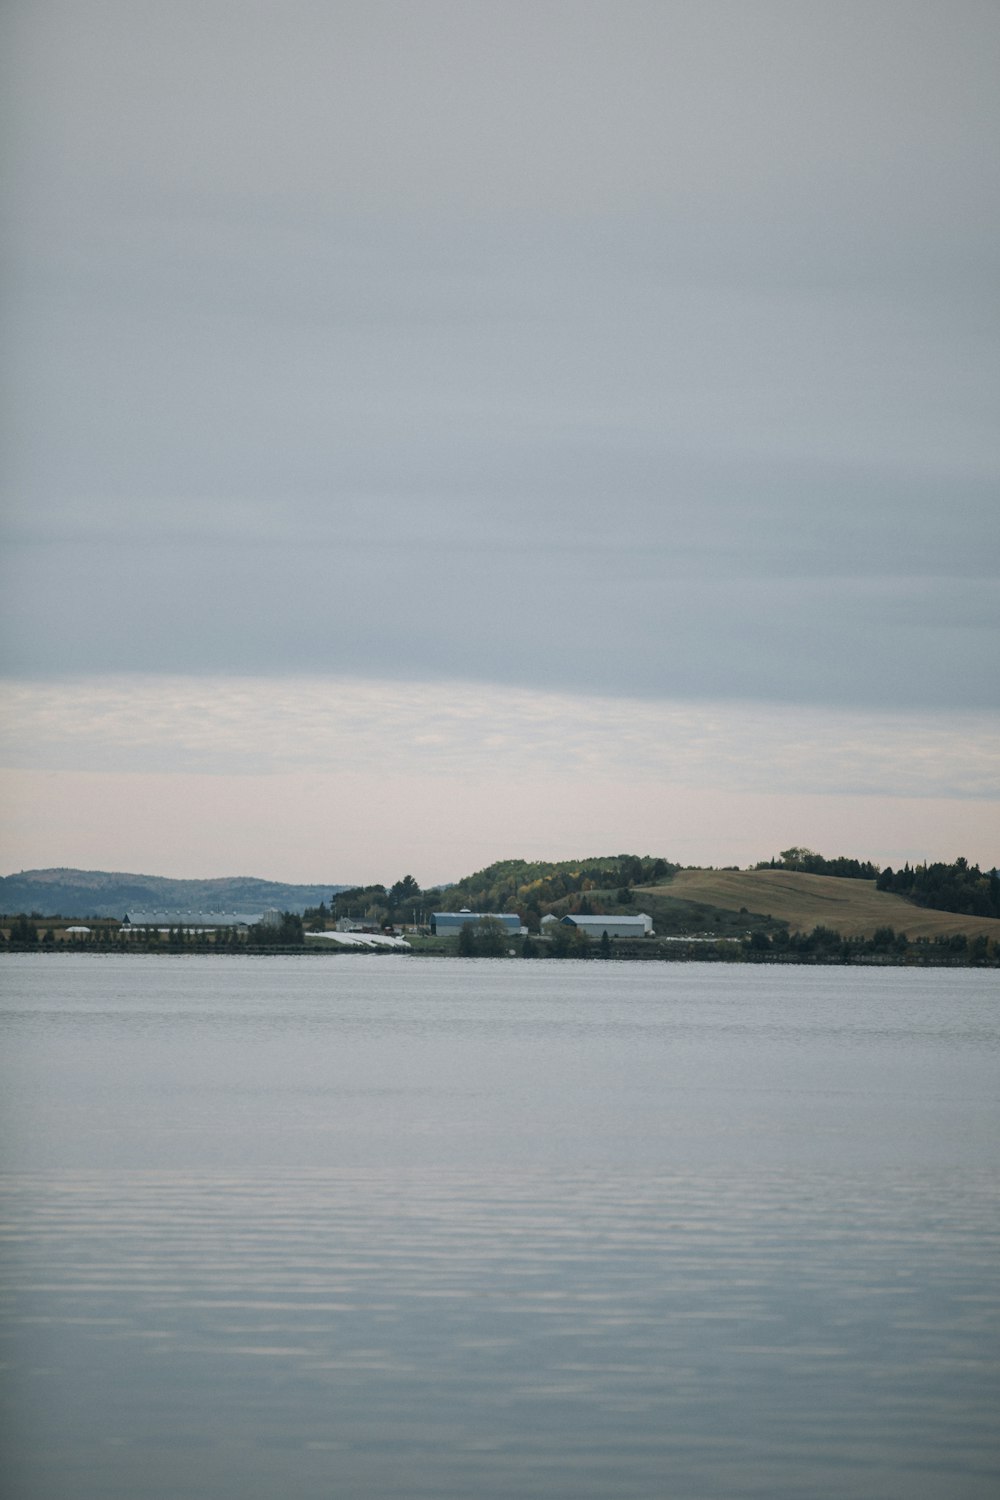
<point>844,953</point>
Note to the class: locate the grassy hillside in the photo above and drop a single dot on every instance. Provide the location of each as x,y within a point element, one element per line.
<point>853,908</point>
<point>673,915</point>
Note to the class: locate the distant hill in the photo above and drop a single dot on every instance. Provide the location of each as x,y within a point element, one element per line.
<point>100,893</point>
<point>854,908</point>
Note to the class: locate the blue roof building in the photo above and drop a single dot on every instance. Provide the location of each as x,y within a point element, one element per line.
<point>450,923</point>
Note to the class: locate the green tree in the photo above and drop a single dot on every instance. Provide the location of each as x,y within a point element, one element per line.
<point>405,893</point>
<point>978,949</point>
<point>492,938</point>
<point>567,941</point>
<point>288,933</point>
<point>486,938</point>
<point>467,940</point>
<point>23,932</point>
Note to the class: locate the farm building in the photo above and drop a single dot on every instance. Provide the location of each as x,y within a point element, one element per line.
<point>450,923</point>
<point>638,926</point>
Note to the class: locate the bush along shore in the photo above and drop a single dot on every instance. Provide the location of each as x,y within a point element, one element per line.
<point>822,945</point>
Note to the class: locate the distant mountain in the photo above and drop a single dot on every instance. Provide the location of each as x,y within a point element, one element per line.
<point>101,893</point>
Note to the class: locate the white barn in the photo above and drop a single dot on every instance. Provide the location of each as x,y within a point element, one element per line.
<point>638,926</point>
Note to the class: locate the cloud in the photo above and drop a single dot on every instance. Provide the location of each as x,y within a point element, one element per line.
<point>455,730</point>
<point>639,349</point>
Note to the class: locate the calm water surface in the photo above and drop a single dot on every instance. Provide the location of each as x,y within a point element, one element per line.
<point>393,1227</point>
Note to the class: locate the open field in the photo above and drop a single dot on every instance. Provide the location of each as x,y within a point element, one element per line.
<point>853,908</point>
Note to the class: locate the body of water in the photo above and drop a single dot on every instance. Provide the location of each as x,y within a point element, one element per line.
<point>379,1228</point>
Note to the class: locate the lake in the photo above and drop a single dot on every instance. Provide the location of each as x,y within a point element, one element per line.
<point>375,1228</point>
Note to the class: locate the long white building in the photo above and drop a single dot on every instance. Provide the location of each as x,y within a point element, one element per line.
<point>641,925</point>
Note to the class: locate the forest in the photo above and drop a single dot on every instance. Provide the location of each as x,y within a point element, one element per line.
<point>958,887</point>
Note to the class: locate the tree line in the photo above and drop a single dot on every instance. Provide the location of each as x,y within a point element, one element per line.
<point>824,945</point>
<point>958,887</point>
<point>808,862</point>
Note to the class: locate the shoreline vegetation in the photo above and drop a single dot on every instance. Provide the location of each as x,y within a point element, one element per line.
<point>795,908</point>
<point>818,949</point>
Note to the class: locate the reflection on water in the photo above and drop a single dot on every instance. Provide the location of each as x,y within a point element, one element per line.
<point>588,1239</point>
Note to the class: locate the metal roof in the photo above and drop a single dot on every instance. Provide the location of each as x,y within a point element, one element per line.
<point>632,919</point>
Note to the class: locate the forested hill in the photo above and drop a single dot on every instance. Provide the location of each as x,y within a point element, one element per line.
<point>102,893</point>
<point>513,884</point>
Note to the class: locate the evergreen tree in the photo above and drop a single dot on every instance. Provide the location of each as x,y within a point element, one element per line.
<point>23,932</point>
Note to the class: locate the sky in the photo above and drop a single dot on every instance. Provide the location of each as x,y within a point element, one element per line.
<point>437,432</point>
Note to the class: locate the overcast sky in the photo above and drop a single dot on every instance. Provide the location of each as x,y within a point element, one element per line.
<point>574,406</point>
